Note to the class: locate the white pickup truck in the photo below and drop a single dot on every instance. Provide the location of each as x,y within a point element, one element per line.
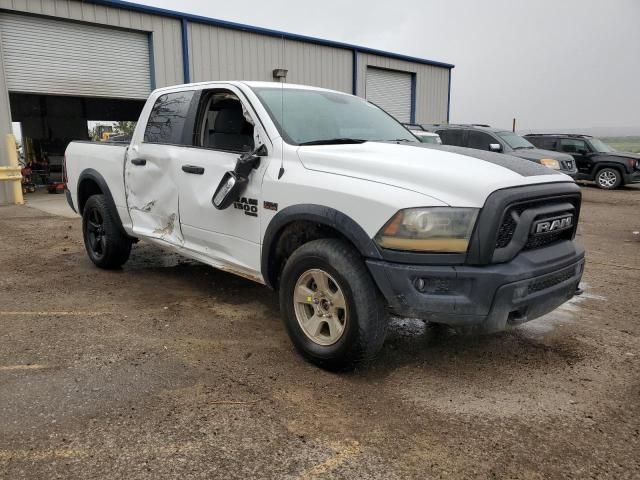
<point>326,198</point>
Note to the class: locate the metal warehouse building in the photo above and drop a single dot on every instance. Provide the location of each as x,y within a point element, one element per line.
<point>65,62</point>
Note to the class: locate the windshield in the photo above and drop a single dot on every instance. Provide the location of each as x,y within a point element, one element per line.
<point>316,117</point>
<point>515,141</point>
<point>600,147</point>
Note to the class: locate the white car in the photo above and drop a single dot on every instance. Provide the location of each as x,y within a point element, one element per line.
<point>328,199</point>
<point>423,135</point>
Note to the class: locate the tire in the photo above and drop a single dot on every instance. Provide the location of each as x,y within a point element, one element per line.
<point>608,178</point>
<point>347,333</point>
<point>107,246</point>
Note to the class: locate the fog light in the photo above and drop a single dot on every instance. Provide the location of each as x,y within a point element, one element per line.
<point>420,284</point>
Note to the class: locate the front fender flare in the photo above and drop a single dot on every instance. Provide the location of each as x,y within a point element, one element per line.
<point>319,214</point>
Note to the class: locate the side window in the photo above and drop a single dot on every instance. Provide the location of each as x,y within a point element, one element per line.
<point>224,123</point>
<point>547,143</point>
<point>480,140</point>
<point>572,145</point>
<point>167,119</point>
<point>451,137</point>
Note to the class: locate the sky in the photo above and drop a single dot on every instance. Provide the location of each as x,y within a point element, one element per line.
<point>549,63</point>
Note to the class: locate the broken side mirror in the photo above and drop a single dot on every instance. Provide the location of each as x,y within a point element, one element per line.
<point>233,183</point>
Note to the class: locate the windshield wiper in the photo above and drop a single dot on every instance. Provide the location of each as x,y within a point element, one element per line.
<point>523,148</point>
<point>403,140</point>
<point>333,141</point>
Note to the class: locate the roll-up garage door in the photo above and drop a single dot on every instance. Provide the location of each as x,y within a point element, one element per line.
<point>55,57</point>
<point>390,90</point>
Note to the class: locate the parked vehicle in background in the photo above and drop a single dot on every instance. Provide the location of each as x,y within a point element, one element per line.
<point>484,137</point>
<point>337,206</point>
<point>423,135</point>
<point>596,161</point>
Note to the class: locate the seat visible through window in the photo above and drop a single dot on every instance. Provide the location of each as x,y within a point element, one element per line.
<point>226,127</point>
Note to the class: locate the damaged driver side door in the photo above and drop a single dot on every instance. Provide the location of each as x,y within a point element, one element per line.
<point>151,167</point>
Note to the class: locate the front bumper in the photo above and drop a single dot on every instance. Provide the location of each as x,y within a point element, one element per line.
<point>632,177</point>
<point>487,298</point>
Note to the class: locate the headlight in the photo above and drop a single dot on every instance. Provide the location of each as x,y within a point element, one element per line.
<point>438,229</point>
<point>551,163</point>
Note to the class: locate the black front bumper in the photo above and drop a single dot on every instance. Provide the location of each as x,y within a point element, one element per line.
<point>633,177</point>
<point>488,297</point>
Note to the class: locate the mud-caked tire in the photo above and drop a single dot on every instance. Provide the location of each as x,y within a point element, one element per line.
<point>332,309</point>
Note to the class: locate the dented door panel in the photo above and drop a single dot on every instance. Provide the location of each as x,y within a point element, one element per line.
<point>152,191</point>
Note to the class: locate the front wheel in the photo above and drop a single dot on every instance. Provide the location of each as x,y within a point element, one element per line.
<point>608,178</point>
<point>331,306</point>
<point>107,246</point>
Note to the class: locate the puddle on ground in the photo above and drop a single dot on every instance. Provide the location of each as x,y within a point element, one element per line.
<point>567,313</point>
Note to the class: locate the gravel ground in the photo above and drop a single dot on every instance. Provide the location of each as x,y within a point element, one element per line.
<point>172,369</point>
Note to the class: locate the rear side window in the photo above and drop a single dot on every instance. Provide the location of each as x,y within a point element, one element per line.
<point>452,137</point>
<point>167,119</point>
<point>480,140</point>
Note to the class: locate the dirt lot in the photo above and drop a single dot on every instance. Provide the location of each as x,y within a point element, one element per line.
<point>171,369</point>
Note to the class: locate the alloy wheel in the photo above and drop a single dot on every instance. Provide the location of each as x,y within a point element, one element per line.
<point>320,307</point>
<point>95,233</point>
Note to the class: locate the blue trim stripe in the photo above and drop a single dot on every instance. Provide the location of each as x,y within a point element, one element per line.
<point>185,51</point>
<point>413,98</point>
<point>152,66</point>
<point>449,99</point>
<point>263,31</point>
<point>354,74</point>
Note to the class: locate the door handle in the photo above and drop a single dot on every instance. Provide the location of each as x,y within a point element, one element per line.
<point>139,161</point>
<point>193,169</point>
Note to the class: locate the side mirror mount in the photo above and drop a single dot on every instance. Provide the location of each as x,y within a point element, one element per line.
<point>495,147</point>
<point>234,182</point>
<point>583,151</point>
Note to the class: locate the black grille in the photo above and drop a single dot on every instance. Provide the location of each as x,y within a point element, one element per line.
<point>509,222</point>
<point>506,231</point>
<point>539,241</point>
<point>551,281</point>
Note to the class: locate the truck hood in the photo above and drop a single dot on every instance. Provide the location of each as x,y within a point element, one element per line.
<point>537,154</point>
<point>457,176</point>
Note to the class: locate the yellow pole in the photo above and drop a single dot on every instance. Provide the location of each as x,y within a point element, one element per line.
<point>12,154</point>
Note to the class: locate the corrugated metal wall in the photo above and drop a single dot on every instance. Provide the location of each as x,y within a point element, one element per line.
<point>222,54</point>
<point>432,85</point>
<point>167,33</point>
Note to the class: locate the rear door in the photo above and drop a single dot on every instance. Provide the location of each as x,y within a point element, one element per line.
<point>153,165</point>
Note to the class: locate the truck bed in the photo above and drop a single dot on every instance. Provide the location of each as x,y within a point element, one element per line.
<point>105,159</point>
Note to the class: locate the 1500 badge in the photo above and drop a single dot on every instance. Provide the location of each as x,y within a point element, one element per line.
<point>249,205</point>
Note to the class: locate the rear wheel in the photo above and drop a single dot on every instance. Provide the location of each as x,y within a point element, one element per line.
<point>107,246</point>
<point>608,178</point>
<point>331,306</point>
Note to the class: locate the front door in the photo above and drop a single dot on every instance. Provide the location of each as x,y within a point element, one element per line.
<point>225,128</point>
<point>579,150</point>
